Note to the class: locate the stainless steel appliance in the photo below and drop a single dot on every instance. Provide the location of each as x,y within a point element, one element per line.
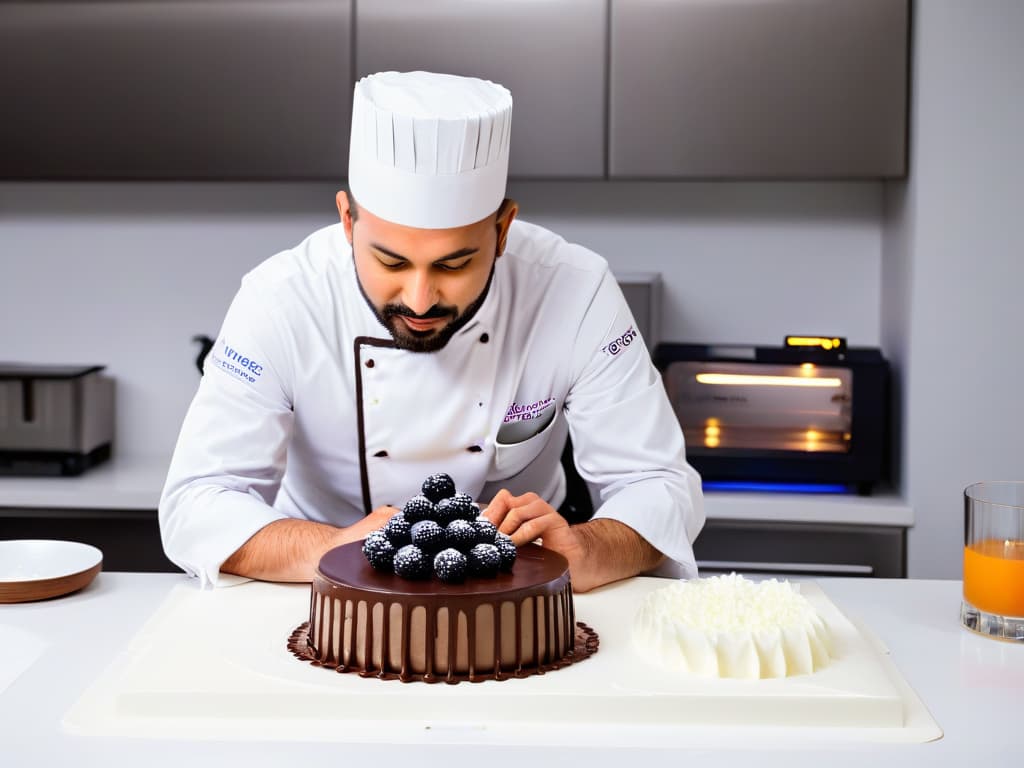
<point>811,413</point>
<point>54,419</point>
<point>642,291</point>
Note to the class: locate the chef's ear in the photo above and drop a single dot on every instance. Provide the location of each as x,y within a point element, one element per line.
<point>503,221</point>
<point>349,212</point>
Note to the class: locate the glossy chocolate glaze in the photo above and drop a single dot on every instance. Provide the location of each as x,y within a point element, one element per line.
<point>381,625</point>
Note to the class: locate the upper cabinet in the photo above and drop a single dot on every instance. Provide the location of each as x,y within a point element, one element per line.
<point>262,89</point>
<point>172,89</point>
<point>758,89</point>
<point>551,54</point>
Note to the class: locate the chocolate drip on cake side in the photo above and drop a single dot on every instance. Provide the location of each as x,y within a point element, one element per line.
<point>385,649</point>
<point>519,644</point>
<point>453,623</point>
<point>496,646</point>
<point>403,653</point>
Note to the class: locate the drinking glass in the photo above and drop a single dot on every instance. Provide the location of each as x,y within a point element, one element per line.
<point>993,599</point>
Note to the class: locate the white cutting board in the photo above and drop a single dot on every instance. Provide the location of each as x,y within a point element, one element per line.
<point>214,664</point>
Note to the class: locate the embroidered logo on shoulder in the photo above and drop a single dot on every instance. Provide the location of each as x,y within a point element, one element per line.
<point>613,347</point>
<point>236,363</point>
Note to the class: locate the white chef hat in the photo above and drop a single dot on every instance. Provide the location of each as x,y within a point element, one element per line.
<point>429,150</point>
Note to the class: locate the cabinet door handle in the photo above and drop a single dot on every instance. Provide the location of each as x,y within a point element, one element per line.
<point>831,569</point>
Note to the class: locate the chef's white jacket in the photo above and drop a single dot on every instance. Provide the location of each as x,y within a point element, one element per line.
<point>308,410</point>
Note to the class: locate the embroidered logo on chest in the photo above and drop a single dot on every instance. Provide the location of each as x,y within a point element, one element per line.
<point>527,411</point>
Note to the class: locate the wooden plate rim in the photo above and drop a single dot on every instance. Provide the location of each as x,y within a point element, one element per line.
<point>42,589</point>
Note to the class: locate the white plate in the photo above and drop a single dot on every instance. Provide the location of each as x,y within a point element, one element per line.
<point>35,559</point>
<point>35,569</point>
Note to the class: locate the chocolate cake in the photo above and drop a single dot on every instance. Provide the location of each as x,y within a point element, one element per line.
<point>378,624</point>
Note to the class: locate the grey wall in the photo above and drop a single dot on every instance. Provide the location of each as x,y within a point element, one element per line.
<point>124,274</point>
<point>953,269</point>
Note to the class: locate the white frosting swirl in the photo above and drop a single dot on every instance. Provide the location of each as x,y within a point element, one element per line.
<point>729,626</point>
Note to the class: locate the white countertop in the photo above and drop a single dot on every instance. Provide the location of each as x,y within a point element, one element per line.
<point>132,482</point>
<point>971,685</point>
<point>135,483</point>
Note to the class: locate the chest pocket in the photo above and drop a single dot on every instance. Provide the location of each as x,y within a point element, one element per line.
<point>518,443</point>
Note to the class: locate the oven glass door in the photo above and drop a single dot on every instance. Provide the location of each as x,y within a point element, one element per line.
<point>737,407</point>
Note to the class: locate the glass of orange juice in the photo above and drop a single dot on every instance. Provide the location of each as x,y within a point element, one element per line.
<point>993,602</point>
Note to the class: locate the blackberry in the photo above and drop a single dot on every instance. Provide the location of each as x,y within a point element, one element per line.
<point>450,566</point>
<point>445,511</point>
<point>485,530</point>
<point>411,563</point>
<point>418,508</point>
<point>439,486</point>
<point>507,550</point>
<point>483,560</point>
<point>465,507</point>
<point>379,552</point>
<point>461,535</point>
<point>428,536</point>
<point>397,529</point>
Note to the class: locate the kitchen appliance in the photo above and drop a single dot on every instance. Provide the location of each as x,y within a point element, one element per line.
<point>54,419</point>
<point>642,291</point>
<point>811,415</point>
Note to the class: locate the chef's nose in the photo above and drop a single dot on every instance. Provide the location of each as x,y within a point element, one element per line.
<point>420,292</point>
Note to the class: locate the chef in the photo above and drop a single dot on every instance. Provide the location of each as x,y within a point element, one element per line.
<point>428,331</point>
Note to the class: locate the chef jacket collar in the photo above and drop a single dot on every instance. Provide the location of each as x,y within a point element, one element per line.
<point>485,318</point>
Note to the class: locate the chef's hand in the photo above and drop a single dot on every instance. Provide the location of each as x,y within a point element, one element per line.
<point>528,517</point>
<point>599,551</point>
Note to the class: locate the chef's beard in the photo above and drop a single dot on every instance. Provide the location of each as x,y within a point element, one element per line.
<point>430,340</point>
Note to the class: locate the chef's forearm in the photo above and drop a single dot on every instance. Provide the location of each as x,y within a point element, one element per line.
<point>609,551</point>
<point>284,550</point>
<point>290,550</point>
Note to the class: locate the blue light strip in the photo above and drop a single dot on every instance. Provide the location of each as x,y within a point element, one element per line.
<point>742,485</point>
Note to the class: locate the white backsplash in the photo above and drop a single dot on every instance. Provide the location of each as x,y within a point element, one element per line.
<point>125,274</point>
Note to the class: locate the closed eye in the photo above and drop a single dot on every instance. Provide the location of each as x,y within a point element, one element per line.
<point>448,266</point>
